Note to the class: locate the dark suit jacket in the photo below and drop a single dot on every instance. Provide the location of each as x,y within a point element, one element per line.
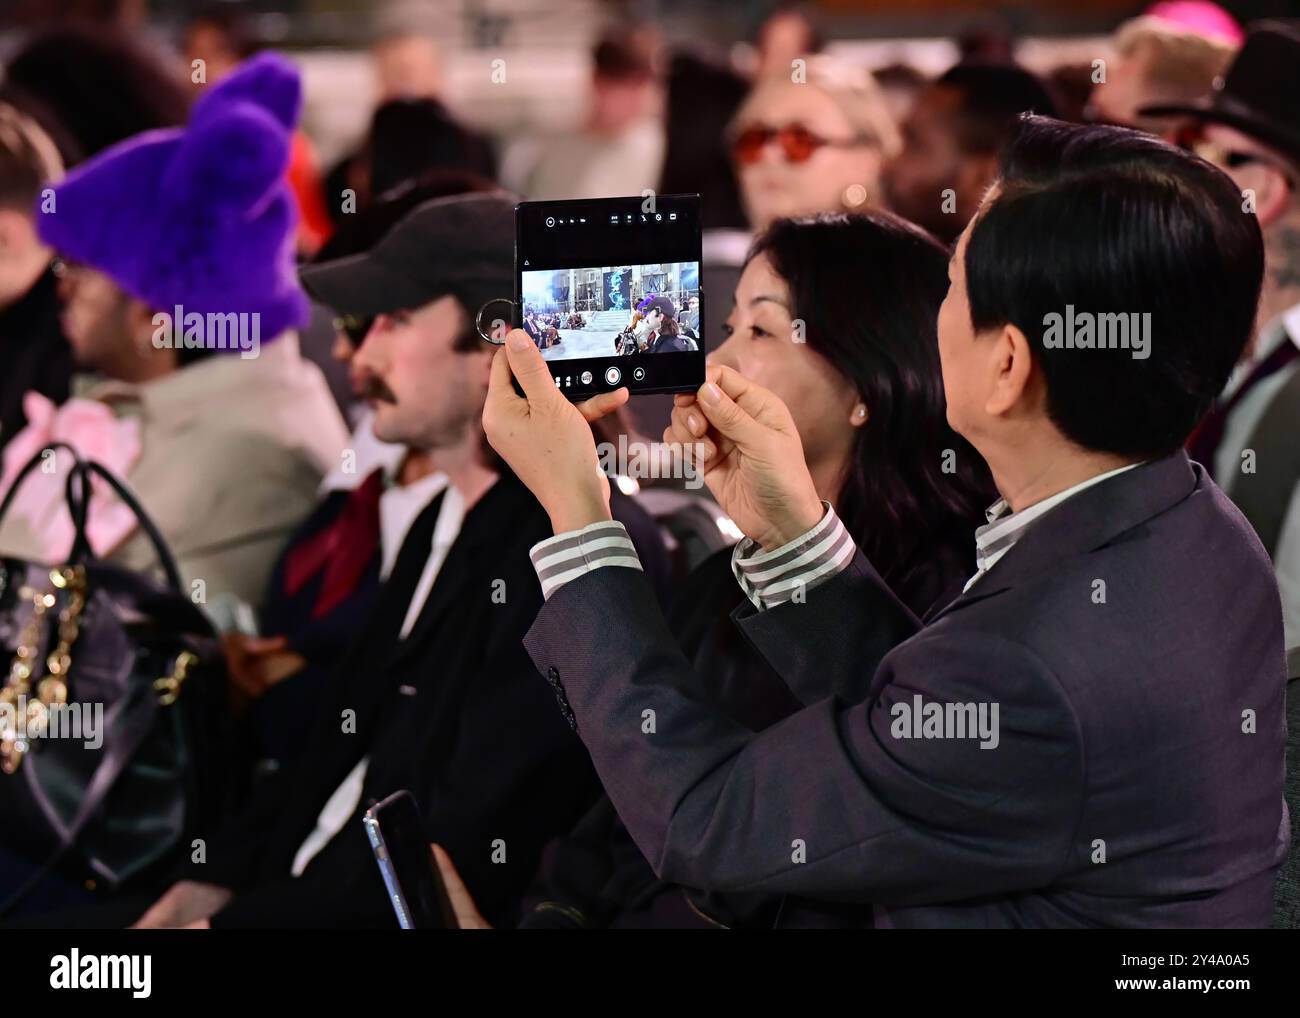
<point>455,713</point>
<point>1145,729</point>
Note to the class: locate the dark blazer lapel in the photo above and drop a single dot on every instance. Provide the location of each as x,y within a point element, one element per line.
<point>1087,521</point>
<point>481,535</point>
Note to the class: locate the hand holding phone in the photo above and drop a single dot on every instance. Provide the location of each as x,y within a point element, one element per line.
<point>547,440</point>
<point>415,887</point>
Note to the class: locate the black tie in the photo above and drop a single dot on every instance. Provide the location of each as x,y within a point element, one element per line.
<point>385,627</point>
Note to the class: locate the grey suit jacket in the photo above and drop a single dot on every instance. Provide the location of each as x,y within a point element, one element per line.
<point>1132,643</point>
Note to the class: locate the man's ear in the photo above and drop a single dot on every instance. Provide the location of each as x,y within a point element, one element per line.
<point>1272,196</point>
<point>1010,367</point>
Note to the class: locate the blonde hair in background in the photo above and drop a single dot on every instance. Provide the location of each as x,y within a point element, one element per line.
<point>854,90</point>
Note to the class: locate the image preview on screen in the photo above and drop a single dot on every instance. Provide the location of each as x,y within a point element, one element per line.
<point>613,310</point>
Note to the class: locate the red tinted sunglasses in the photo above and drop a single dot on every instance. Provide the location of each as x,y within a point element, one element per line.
<point>797,143</point>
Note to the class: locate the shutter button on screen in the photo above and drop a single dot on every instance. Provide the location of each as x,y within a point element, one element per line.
<point>612,375</point>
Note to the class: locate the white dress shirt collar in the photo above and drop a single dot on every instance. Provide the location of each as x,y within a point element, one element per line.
<point>1005,528</point>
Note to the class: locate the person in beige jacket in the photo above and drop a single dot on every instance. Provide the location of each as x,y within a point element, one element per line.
<point>180,295</point>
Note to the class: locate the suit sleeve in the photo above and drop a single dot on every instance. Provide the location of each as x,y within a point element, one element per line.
<point>831,642</point>
<point>834,802</point>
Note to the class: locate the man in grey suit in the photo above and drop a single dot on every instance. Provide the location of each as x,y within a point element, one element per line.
<point>1091,732</point>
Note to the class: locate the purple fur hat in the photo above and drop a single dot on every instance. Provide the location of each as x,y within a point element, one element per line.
<point>199,216</point>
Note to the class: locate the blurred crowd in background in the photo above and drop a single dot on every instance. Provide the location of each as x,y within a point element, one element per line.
<point>785,122</point>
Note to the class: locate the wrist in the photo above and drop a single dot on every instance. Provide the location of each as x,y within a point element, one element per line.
<point>794,524</point>
<point>574,513</point>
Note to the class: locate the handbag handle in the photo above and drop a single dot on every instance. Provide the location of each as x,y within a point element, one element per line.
<point>77,495</point>
<point>31,465</point>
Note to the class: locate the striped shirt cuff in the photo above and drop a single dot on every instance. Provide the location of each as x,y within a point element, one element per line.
<point>787,573</point>
<point>565,557</point>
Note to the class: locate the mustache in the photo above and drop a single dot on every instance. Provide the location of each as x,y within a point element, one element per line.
<point>374,388</point>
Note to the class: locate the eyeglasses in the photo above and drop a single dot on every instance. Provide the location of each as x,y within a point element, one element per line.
<point>354,327</point>
<point>797,143</point>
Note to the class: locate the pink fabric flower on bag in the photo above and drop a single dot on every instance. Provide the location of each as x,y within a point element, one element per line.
<point>96,433</point>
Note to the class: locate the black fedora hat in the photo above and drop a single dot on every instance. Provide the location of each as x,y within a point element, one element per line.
<point>1260,94</point>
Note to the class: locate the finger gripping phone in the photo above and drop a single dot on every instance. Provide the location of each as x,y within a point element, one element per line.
<point>609,291</point>
<point>401,848</point>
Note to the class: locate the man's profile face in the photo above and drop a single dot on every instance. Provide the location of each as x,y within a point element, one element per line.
<point>959,351</point>
<point>654,318</point>
<point>425,393</point>
<point>930,162</point>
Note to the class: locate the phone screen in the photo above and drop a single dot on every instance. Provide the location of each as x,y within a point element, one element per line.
<point>609,291</point>
<point>401,848</point>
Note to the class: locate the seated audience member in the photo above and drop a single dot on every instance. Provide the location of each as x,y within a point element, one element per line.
<point>1170,55</point>
<point>866,398</point>
<point>951,142</point>
<point>619,147</point>
<point>181,296</point>
<point>33,350</point>
<point>535,330</point>
<point>816,144</point>
<point>326,578</point>
<point>1251,129</point>
<point>436,694</point>
<point>690,316</point>
<point>1095,692</point>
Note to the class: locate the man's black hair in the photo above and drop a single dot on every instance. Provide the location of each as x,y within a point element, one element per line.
<point>1113,221</point>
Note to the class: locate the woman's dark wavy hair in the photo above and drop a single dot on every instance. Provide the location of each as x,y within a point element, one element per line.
<point>868,287</point>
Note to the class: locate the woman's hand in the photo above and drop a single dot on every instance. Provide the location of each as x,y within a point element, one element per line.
<point>753,457</point>
<point>546,439</point>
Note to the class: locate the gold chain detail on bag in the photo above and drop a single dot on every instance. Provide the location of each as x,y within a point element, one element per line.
<point>53,689</point>
<point>169,686</point>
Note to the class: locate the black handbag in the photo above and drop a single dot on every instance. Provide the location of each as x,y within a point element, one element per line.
<point>116,808</point>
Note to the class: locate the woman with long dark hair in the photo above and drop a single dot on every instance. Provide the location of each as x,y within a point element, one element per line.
<point>836,314</point>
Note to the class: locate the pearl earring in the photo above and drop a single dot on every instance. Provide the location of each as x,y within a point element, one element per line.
<point>854,196</point>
